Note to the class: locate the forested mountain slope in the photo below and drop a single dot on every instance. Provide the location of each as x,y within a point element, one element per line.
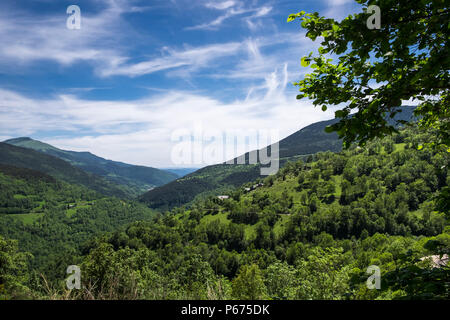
<point>304,234</point>
<point>137,179</point>
<point>57,168</point>
<point>52,219</point>
<point>25,193</point>
<point>216,179</point>
<point>309,232</point>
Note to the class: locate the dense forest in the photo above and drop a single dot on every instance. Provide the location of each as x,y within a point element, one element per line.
<point>52,219</point>
<point>133,179</point>
<point>365,192</point>
<point>59,169</point>
<point>308,232</point>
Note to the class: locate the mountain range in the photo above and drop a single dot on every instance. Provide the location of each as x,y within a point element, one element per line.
<point>220,178</point>
<point>157,188</point>
<point>135,179</point>
<point>59,169</point>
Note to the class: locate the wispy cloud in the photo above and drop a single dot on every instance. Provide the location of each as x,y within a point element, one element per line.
<point>193,58</point>
<point>253,22</point>
<point>220,5</point>
<point>263,54</point>
<point>27,38</point>
<point>232,9</point>
<point>132,131</point>
<point>248,60</point>
<point>339,9</point>
<point>214,24</point>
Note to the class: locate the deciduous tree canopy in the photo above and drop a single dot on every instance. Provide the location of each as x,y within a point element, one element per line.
<point>372,71</point>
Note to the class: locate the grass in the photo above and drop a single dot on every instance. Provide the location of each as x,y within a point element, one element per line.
<point>26,218</point>
<point>250,230</point>
<point>80,205</point>
<point>221,216</point>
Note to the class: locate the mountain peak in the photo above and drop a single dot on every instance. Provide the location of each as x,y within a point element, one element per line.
<point>26,142</point>
<point>136,179</point>
<point>18,140</point>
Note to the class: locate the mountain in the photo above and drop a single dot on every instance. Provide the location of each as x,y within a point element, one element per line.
<point>52,218</point>
<point>220,178</point>
<point>57,168</point>
<point>324,221</point>
<point>180,172</point>
<point>26,192</point>
<point>210,180</point>
<point>137,179</point>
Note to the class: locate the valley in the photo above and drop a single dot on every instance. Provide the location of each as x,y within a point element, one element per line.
<point>317,212</point>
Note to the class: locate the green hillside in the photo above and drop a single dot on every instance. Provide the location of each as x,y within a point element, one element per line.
<point>27,192</point>
<point>210,180</point>
<point>137,179</point>
<point>308,232</point>
<point>52,219</point>
<point>216,179</point>
<point>57,168</point>
<point>305,233</point>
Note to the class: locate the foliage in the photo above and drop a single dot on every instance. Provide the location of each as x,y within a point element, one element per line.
<point>285,239</point>
<point>249,284</point>
<point>134,179</point>
<point>13,270</point>
<point>58,169</point>
<point>373,70</point>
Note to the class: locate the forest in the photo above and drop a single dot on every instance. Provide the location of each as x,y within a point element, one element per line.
<point>309,232</point>
<point>359,198</point>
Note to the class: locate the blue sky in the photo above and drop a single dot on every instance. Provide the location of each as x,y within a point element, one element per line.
<point>137,71</point>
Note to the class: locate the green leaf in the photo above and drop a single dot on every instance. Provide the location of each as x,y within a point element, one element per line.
<point>291,17</point>
<point>339,114</point>
<point>305,61</point>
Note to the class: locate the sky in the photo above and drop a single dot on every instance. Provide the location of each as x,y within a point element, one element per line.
<point>136,72</point>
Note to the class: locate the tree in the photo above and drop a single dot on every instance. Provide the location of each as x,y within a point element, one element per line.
<point>249,284</point>
<point>281,280</point>
<point>406,58</point>
<point>375,69</point>
<point>13,270</point>
<point>323,275</point>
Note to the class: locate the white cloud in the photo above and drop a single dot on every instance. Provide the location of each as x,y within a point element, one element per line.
<point>139,131</point>
<point>264,54</point>
<point>29,38</point>
<point>214,24</point>
<point>221,5</point>
<point>339,2</point>
<point>252,64</point>
<point>194,58</point>
<point>253,21</point>
<point>339,9</point>
<point>232,9</point>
